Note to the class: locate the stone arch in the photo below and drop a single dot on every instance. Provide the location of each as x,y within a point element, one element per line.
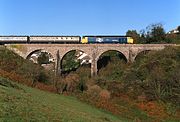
<point>124,53</point>
<point>32,52</point>
<point>71,50</point>
<point>52,58</point>
<point>141,52</point>
<point>103,62</point>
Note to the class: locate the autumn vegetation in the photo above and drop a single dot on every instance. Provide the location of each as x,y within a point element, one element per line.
<point>150,84</point>
<point>146,90</point>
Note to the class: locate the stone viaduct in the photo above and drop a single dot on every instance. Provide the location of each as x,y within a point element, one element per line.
<point>94,51</point>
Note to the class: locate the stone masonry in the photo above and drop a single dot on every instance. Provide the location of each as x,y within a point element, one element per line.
<point>94,51</point>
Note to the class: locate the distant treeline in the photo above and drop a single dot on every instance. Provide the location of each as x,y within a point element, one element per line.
<point>154,33</point>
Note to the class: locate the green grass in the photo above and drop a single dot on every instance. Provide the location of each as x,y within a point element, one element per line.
<point>20,103</point>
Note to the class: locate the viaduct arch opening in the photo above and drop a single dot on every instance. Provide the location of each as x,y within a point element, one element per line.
<point>74,60</point>
<point>43,58</point>
<point>110,61</point>
<point>141,55</point>
<point>33,52</point>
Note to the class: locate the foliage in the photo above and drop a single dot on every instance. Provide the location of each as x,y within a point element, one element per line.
<point>43,58</point>
<point>93,92</point>
<point>113,65</point>
<point>113,71</point>
<point>157,75</point>
<point>7,83</point>
<point>178,29</point>
<point>152,77</point>
<point>84,72</point>
<point>15,77</point>
<point>134,35</point>
<point>14,64</point>
<point>173,38</point>
<point>153,109</point>
<point>69,63</point>
<point>104,94</point>
<point>153,33</point>
<point>69,84</point>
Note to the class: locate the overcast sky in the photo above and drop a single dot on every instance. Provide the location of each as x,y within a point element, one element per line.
<point>85,17</point>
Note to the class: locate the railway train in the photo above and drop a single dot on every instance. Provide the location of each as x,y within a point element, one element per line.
<point>66,39</point>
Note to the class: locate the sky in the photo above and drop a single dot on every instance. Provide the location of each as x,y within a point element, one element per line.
<point>85,17</point>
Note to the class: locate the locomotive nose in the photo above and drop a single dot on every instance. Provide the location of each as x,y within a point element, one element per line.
<point>130,40</point>
<point>84,40</point>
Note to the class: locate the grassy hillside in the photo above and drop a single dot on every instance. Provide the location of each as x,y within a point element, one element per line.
<point>22,103</point>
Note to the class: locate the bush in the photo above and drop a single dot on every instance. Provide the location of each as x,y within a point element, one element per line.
<point>70,83</point>
<point>93,92</point>
<point>82,85</point>
<point>157,74</point>
<point>113,71</point>
<point>104,94</point>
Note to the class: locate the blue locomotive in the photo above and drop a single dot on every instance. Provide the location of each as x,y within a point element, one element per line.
<point>107,39</point>
<point>66,39</point>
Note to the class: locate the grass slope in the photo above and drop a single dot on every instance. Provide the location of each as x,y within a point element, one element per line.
<point>22,103</point>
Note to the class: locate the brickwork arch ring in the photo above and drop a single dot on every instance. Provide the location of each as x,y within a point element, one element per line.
<point>124,53</point>
<point>71,50</point>
<point>28,56</point>
<point>141,52</point>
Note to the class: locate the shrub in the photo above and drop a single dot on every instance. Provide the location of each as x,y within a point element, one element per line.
<point>114,70</point>
<point>157,74</point>
<point>82,85</point>
<point>93,92</point>
<point>104,94</point>
<point>70,83</point>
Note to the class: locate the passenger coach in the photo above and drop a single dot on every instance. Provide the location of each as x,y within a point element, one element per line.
<point>13,39</point>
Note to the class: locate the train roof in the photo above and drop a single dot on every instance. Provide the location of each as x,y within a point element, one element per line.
<point>36,36</point>
<point>13,36</point>
<point>51,36</point>
<point>105,36</point>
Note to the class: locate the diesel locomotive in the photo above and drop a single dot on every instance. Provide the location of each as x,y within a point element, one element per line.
<point>66,39</point>
<point>107,39</point>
